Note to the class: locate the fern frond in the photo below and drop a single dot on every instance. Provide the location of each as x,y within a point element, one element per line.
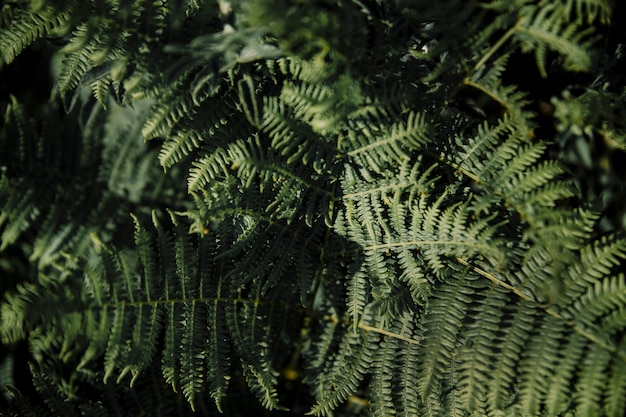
<point>407,370</point>
<point>347,227</point>
<point>183,137</point>
<point>25,147</point>
<point>355,350</point>
<point>606,296</point>
<point>444,315</point>
<point>173,311</point>
<point>597,260</point>
<point>323,108</point>
<point>592,379</point>
<point>558,395</point>
<point>53,398</point>
<point>473,369</point>
<point>295,140</point>
<point>536,361</point>
<point>205,170</point>
<point>288,251</point>
<point>511,100</point>
<point>615,391</point>
<point>109,165</point>
<point>324,342</point>
<point>257,370</point>
<point>193,309</point>
<point>179,145</point>
<point>423,233</point>
<point>395,368</point>
<point>520,320</point>
<point>149,316</point>
<point>323,47</point>
<point>193,362</point>
<point>534,180</point>
<point>25,27</point>
<point>511,158</point>
<point>168,112</point>
<point>546,31</point>
<point>376,148</point>
<point>22,206</point>
<point>14,313</point>
<point>76,65</point>
<point>381,387</point>
<point>587,11</point>
<point>296,193</point>
<point>306,71</point>
<point>19,141</point>
<point>358,289</point>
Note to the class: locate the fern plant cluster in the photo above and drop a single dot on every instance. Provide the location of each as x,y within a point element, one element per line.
<point>332,207</point>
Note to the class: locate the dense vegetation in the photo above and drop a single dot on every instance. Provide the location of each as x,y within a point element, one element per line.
<point>360,207</point>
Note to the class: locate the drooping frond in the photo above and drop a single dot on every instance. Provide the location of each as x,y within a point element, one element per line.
<point>199,313</point>
<point>111,399</point>
<point>289,137</point>
<point>263,244</point>
<point>586,11</point>
<point>26,26</point>
<point>60,216</point>
<point>547,29</point>
<point>355,352</point>
<point>445,317</point>
<point>65,195</point>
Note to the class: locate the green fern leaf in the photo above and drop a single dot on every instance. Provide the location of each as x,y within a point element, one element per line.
<point>75,67</point>
<point>355,350</point>
<point>587,11</point>
<point>176,106</point>
<point>615,392</point>
<point>407,370</point>
<point>357,290</point>
<point>592,380</point>
<point>381,386</point>
<point>536,361</point>
<point>26,27</point>
<point>445,315</point>
<point>377,148</point>
<point>475,356</point>
<point>520,320</point>
<point>179,145</point>
<point>258,367</point>
<point>395,368</point>
<point>294,140</point>
<point>207,169</point>
<point>557,396</point>
<point>604,297</point>
<point>597,260</point>
<point>346,218</point>
<point>544,31</point>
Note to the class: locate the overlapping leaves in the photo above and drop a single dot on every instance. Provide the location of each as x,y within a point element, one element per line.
<point>439,263</point>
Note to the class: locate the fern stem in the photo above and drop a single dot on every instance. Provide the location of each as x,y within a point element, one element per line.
<point>458,168</point>
<point>368,328</point>
<point>497,45</point>
<point>584,333</point>
<point>468,82</point>
<point>495,280</point>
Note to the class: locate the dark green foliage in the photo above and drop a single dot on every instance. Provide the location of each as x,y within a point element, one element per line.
<point>357,209</point>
